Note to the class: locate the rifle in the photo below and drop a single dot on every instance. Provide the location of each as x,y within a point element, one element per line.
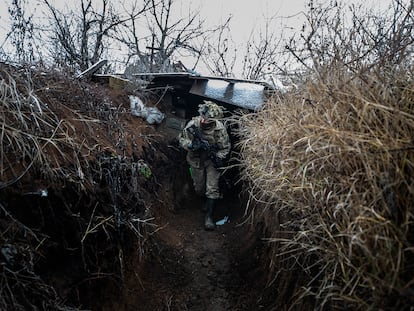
<point>200,143</point>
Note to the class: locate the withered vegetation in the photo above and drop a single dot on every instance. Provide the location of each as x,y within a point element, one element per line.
<point>331,169</point>
<point>72,189</point>
<point>331,164</point>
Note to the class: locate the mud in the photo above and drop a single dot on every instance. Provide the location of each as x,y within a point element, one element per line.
<point>190,268</point>
<point>213,278</point>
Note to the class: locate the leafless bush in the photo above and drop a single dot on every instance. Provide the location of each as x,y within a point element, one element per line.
<point>338,174</point>
<point>356,37</point>
<point>262,51</point>
<point>81,36</point>
<point>22,31</point>
<point>221,54</point>
<point>330,167</point>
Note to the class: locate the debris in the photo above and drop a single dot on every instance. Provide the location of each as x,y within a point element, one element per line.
<point>150,114</point>
<point>222,221</point>
<point>41,192</point>
<point>8,253</point>
<point>91,70</point>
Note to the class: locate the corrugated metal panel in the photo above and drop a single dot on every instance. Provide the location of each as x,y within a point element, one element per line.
<point>248,94</point>
<point>242,94</point>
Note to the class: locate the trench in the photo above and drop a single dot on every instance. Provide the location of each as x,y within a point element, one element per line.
<point>102,235</point>
<point>187,267</point>
<point>177,265</point>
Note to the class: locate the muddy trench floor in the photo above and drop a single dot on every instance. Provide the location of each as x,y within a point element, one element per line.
<point>194,269</point>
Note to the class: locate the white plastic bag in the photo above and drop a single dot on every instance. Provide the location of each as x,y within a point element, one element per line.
<point>150,114</point>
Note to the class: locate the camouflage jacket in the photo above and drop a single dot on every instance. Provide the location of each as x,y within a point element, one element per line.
<point>216,136</point>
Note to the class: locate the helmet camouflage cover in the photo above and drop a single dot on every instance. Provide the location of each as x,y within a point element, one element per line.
<point>210,110</point>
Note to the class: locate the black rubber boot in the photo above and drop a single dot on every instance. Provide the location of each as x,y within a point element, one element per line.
<point>208,222</point>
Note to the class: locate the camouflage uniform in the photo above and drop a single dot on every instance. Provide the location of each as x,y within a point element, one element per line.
<point>205,175</point>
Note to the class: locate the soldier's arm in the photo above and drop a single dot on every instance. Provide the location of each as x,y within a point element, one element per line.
<point>223,143</point>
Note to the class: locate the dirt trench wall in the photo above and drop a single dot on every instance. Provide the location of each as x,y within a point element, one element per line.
<point>83,243</point>
<point>73,190</point>
<point>71,243</point>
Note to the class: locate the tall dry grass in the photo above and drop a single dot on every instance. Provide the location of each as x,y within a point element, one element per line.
<point>330,169</point>
<point>33,137</point>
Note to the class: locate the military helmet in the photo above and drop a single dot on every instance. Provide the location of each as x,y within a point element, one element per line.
<point>210,110</point>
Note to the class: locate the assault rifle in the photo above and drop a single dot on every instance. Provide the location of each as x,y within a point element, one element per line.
<point>199,143</point>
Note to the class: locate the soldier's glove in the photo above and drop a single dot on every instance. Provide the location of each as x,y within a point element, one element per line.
<point>198,144</point>
<point>204,145</point>
<point>194,145</point>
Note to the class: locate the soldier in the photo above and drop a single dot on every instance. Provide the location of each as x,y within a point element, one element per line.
<point>206,140</point>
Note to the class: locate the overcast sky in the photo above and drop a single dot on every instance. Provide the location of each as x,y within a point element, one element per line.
<point>246,14</point>
<point>249,15</point>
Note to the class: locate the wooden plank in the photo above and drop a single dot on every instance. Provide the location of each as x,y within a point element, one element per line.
<point>91,70</point>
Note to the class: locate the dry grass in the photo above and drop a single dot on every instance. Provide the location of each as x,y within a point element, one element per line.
<point>68,138</point>
<point>33,137</point>
<point>331,167</point>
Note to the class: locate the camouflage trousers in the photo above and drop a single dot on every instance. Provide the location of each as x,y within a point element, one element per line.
<point>206,180</point>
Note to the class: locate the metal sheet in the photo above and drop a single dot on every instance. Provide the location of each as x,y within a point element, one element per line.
<point>242,94</point>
